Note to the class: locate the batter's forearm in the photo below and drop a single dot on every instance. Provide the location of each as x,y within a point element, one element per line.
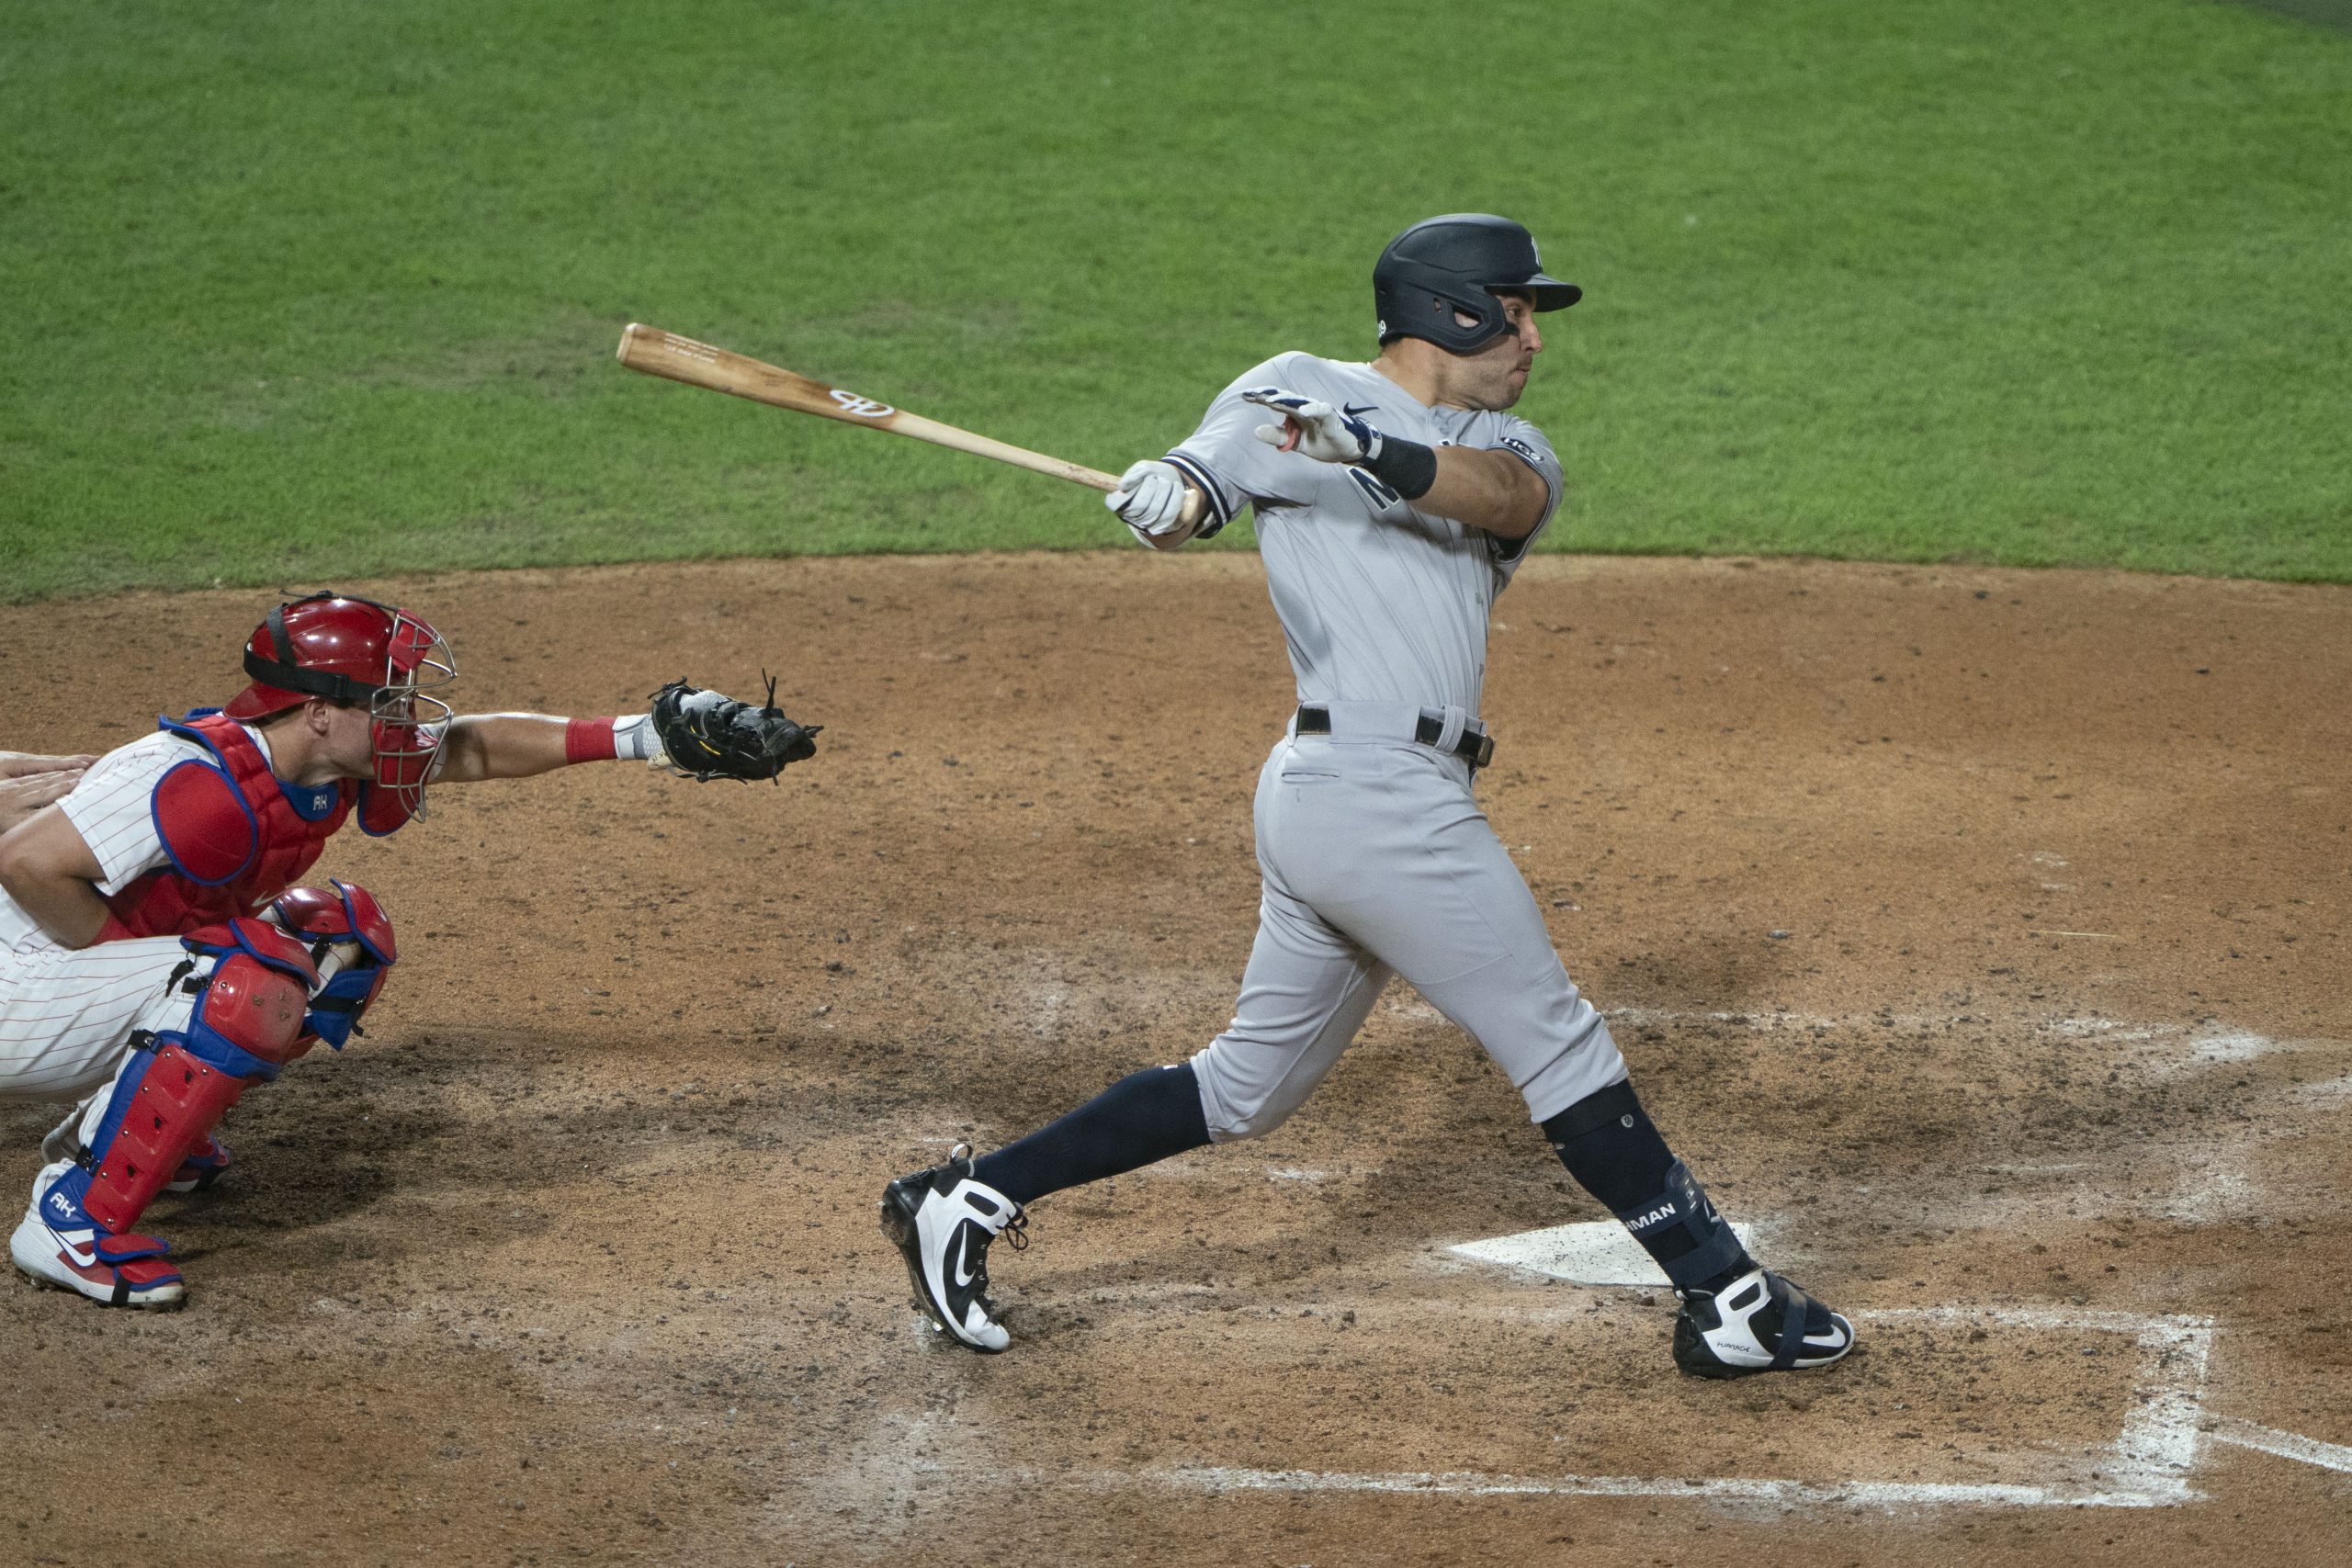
<point>1492,491</point>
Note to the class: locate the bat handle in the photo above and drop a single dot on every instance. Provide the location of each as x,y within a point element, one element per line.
<point>1196,501</point>
<point>1195,505</point>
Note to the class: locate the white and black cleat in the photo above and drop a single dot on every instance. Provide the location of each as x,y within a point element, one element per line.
<point>1759,1323</point>
<point>943,1222</point>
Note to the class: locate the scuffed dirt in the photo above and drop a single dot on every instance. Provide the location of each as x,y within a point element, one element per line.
<point>1979,935</point>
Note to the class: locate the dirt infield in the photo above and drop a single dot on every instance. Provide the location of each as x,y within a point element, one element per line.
<point>1979,935</point>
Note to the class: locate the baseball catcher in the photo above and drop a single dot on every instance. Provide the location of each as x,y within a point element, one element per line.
<point>157,958</point>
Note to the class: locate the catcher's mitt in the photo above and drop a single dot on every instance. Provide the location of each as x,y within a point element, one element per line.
<point>711,736</point>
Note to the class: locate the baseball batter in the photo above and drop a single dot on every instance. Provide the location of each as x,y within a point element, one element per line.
<point>1394,502</point>
<point>156,959</point>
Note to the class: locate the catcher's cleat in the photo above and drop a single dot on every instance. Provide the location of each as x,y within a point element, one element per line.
<point>1759,1323</point>
<point>201,1170</point>
<point>113,1271</point>
<point>943,1222</point>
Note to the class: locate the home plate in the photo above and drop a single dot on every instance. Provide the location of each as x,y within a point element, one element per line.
<point>1595,1252</point>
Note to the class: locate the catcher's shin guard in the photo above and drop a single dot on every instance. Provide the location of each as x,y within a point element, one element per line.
<point>244,1002</point>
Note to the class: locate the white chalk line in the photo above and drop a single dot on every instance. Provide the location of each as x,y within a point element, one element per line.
<point>2285,1445</point>
<point>2146,1466</point>
<point>1851,1494</point>
<point>2208,1044</point>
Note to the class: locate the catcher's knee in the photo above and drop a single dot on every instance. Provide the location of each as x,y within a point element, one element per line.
<point>349,939</point>
<point>247,1020</point>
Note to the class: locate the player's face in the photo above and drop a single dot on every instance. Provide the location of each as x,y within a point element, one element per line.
<point>349,742</point>
<point>1494,375</point>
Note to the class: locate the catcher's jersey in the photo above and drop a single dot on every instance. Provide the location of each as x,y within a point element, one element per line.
<point>111,806</point>
<point>1379,602</point>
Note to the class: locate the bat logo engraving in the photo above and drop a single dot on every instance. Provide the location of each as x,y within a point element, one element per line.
<point>865,408</point>
<point>687,348</point>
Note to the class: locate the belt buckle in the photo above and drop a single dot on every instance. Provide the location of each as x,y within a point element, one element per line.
<point>1485,752</point>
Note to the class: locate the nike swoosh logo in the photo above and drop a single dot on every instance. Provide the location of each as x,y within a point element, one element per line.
<point>964,1276</point>
<point>1368,408</point>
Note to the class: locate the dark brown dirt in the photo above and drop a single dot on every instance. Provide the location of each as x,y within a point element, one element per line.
<point>1979,934</point>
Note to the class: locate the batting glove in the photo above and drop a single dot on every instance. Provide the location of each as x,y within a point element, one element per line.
<point>1314,428</point>
<point>1150,498</point>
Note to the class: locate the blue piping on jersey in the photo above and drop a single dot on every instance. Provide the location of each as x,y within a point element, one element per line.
<point>1210,489</point>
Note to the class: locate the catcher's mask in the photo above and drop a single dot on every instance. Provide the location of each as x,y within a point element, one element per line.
<point>356,651</point>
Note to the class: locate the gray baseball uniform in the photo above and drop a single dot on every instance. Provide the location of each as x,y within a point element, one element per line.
<point>1375,859</point>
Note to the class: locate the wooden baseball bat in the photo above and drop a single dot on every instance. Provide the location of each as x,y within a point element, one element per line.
<point>658,353</point>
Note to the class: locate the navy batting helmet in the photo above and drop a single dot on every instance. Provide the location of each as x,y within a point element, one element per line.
<point>1444,265</point>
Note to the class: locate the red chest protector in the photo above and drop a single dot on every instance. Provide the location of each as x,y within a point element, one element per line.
<point>236,836</point>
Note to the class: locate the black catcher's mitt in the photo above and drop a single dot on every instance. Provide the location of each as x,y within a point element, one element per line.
<point>712,736</point>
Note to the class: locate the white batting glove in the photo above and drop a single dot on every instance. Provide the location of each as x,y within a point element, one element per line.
<point>1150,498</point>
<point>1314,428</point>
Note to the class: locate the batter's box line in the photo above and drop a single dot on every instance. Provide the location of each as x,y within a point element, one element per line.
<point>2146,1466</point>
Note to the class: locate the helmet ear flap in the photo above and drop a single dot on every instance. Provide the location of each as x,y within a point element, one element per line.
<point>1418,301</point>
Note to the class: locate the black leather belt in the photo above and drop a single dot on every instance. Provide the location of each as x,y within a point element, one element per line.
<point>1477,750</point>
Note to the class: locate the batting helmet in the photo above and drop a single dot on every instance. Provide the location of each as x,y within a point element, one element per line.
<point>360,653</point>
<point>1441,266</point>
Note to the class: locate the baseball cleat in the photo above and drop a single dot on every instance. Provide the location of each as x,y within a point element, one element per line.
<point>943,1221</point>
<point>1759,1323</point>
<point>201,1170</point>
<point>113,1271</point>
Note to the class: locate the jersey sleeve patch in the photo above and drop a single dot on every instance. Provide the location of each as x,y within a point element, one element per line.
<point>1523,442</point>
<point>208,832</point>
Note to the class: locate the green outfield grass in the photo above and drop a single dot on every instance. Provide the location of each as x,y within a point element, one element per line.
<point>298,291</point>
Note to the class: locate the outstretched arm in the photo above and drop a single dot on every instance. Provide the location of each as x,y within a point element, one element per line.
<point>705,734</point>
<point>516,745</point>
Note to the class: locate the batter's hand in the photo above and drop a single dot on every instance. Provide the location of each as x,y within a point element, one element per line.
<point>29,783</point>
<point>1150,498</point>
<point>1314,428</point>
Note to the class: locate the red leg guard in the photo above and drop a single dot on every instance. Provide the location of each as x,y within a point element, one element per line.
<point>242,1029</point>
<point>178,1103</point>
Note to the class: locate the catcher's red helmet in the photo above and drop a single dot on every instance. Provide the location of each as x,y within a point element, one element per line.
<point>356,651</point>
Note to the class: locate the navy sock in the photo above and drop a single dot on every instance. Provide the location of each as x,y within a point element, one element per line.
<point>1615,1152</point>
<point>1144,1117</point>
